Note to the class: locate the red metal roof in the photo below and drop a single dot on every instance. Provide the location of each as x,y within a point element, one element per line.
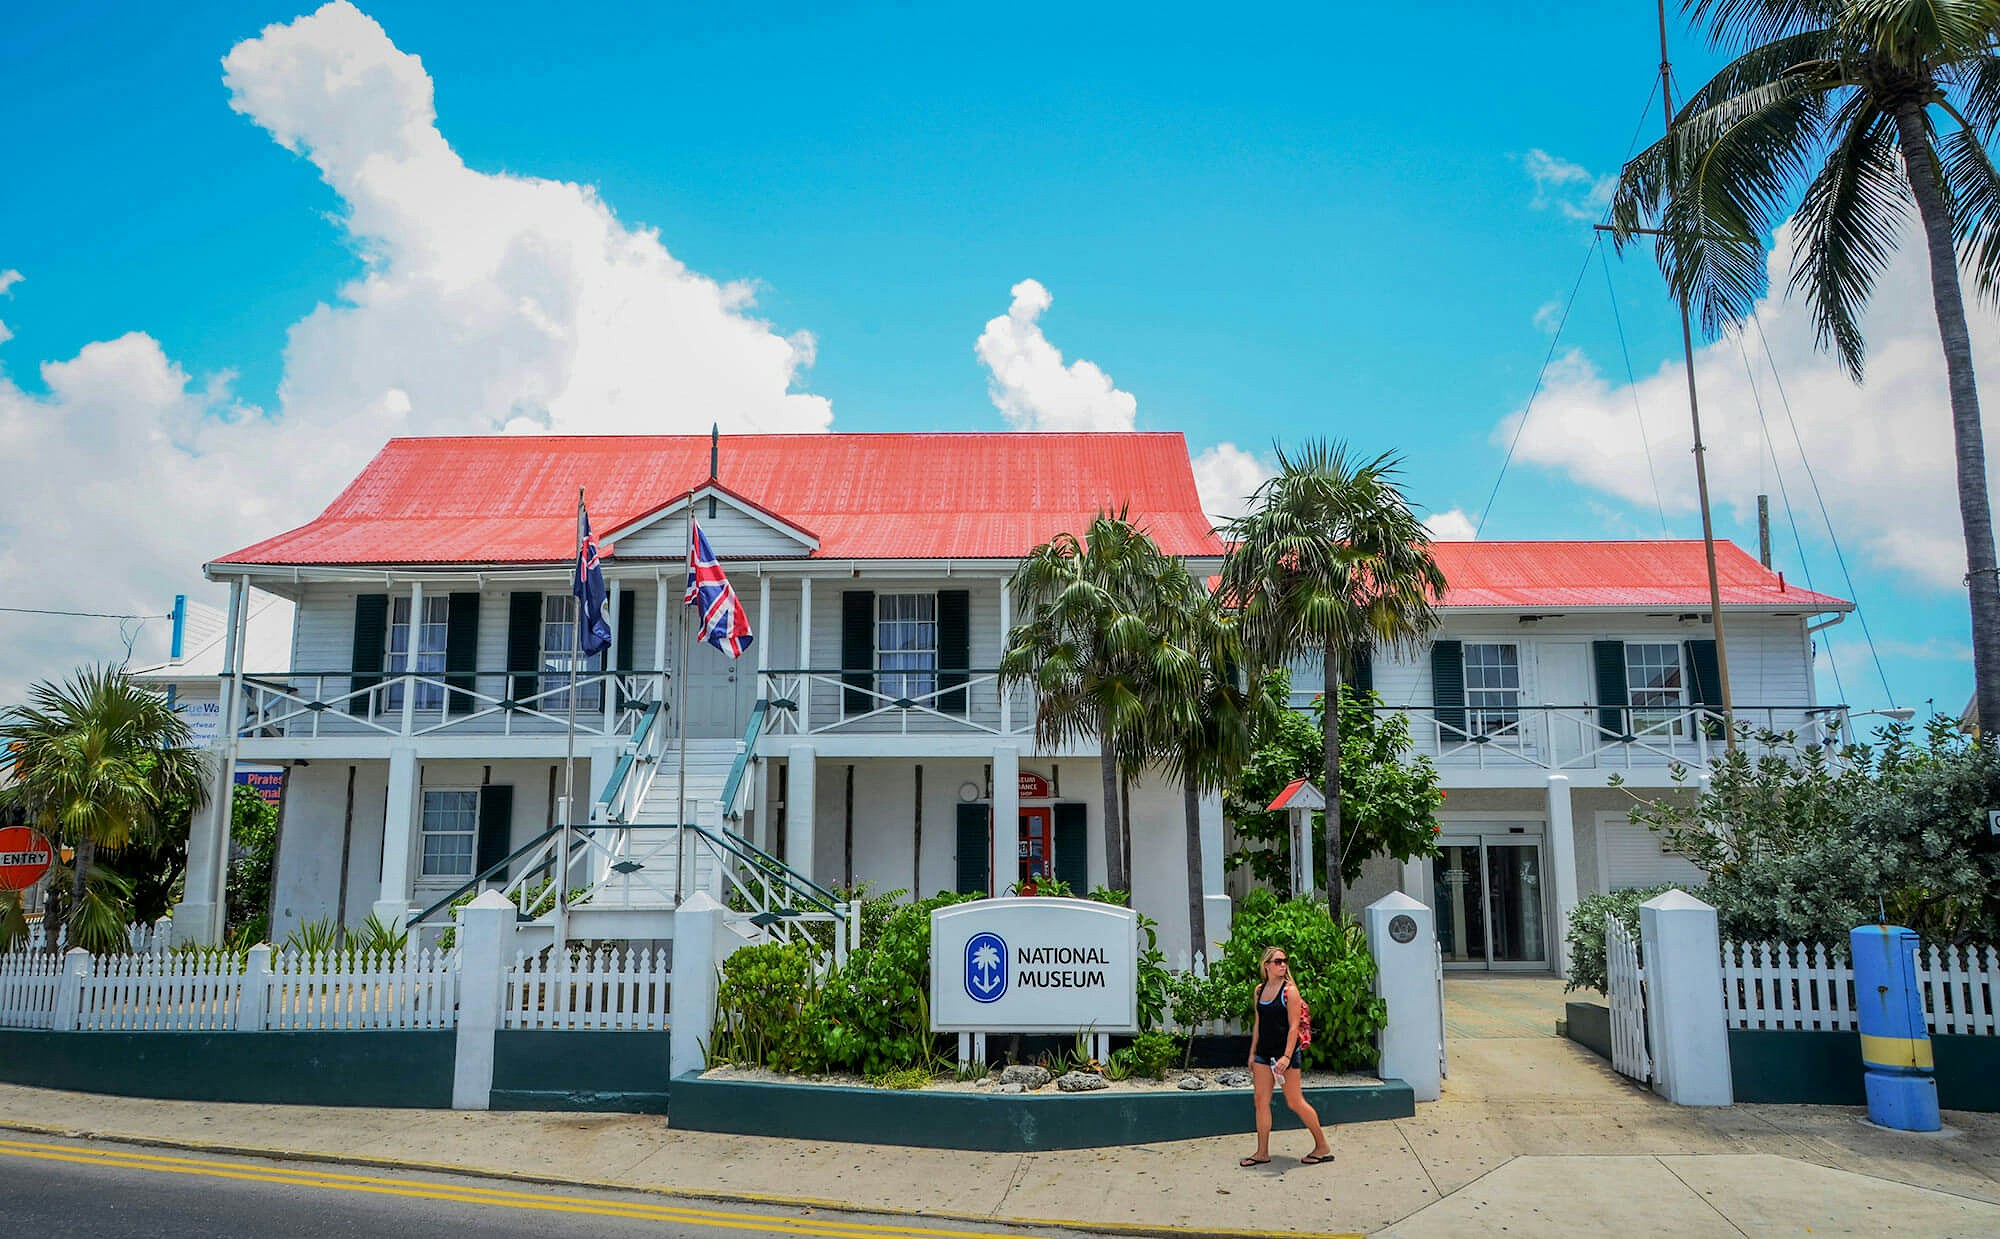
<point>511,498</point>
<point>1553,576</point>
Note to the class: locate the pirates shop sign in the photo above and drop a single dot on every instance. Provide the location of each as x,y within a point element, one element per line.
<point>1034,965</point>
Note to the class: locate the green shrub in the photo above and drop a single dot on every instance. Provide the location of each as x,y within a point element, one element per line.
<point>1149,1055</point>
<point>1330,965</point>
<point>766,1008</point>
<point>874,1012</point>
<point>1586,932</point>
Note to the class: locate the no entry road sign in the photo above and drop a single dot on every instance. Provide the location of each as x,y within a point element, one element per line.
<point>24,857</point>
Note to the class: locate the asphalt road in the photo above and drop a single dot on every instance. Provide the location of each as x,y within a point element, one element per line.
<point>52,1188</point>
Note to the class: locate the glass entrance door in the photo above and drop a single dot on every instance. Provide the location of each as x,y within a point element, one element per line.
<point>1487,893</point>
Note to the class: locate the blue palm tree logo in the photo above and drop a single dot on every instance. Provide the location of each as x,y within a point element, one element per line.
<point>985,967</point>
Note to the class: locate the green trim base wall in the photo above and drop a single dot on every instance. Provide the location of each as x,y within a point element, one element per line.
<point>1824,1068</point>
<point>1588,1024</point>
<point>618,1072</point>
<point>1003,1123</point>
<point>410,1070</point>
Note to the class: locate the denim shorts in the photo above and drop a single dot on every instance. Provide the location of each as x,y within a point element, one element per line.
<point>1292,1063</point>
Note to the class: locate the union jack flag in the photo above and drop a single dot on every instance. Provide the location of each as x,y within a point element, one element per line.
<point>724,624</point>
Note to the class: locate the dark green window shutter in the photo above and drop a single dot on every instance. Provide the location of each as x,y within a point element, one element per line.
<point>461,651</point>
<point>1612,692</point>
<point>1704,675</point>
<point>1072,844</point>
<point>371,631</point>
<point>1448,688</point>
<point>954,638</point>
<point>974,844</point>
<point>1363,678</point>
<point>857,650</point>
<point>496,825</point>
<point>628,619</point>
<point>524,642</point>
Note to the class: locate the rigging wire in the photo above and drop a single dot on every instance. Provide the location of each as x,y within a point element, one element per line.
<point>1632,385</point>
<point>1596,241</point>
<point>1839,556</point>
<point>1784,497</point>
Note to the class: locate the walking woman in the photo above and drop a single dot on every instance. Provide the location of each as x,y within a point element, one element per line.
<point>1274,1055</point>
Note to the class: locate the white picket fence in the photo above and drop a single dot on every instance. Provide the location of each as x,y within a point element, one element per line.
<point>605,989</point>
<point>1625,983</point>
<point>140,938</point>
<point>193,991</point>
<point>356,990</point>
<point>1793,986</point>
<point>29,982</point>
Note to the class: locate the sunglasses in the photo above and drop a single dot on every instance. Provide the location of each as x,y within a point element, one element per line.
<point>1279,960</point>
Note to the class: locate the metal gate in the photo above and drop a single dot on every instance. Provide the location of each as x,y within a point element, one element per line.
<point>1627,984</point>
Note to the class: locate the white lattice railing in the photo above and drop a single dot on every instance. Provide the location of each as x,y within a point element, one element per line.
<point>1792,986</point>
<point>606,989</point>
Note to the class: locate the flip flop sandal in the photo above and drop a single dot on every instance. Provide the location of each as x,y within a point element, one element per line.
<point>1248,1162</point>
<point>1313,1159</point>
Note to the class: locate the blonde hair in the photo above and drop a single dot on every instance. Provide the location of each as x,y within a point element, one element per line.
<point>1264,962</point>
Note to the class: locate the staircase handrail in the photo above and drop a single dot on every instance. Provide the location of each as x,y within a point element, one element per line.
<point>496,869</point>
<point>733,787</point>
<point>601,810</point>
<point>796,883</point>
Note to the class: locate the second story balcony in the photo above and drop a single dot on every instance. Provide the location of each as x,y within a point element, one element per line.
<point>296,705</point>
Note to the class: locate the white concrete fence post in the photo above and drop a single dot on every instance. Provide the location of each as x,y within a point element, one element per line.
<point>1402,936</point>
<point>256,995</point>
<point>1681,952</point>
<point>485,949</point>
<point>701,943</point>
<point>69,989</point>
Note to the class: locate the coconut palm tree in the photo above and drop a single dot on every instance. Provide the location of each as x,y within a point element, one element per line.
<point>1330,560</point>
<point>1090,648</point>
<point>95,760</point>
<point>1872,106</point>
<point>1200,737</point>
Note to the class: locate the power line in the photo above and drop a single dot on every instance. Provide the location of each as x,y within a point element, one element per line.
<point>1632,385</point>
<point>80,614</point>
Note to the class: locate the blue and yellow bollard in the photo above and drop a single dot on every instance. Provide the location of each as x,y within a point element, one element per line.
<point>1895,1038</point>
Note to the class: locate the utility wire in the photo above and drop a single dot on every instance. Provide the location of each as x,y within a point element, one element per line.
<point>1839,556</point>
<point>1784,496</point>
<point>1632,385</point>
<point>80,614</point>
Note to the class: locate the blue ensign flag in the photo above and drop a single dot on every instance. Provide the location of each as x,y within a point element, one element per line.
<point>592,633</point>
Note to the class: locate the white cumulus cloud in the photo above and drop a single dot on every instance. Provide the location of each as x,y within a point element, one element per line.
<point>1032,387</point>
<point>1882,450</point>
<point>1226,477</point>
<point>487,301</point>
<point>1451,526</point>
<point>1568,187</point>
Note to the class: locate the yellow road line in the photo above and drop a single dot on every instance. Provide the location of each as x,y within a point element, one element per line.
<point>451,1193</point>
<point>469,1194</point>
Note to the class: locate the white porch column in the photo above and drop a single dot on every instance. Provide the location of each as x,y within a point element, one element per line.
<point>1006,817</point>
<point>660,636</point>
<point>614,600</point>
<point>1007,626</point>
<point>1216,910</point>
<point>1684,1017</point>
<point>603,760</point>
<point>410,653</point>
<point>799,794</point>
<point>399,832</point>
<point>1562,867</point>
<point>805,658</point>
<point>198,917</point>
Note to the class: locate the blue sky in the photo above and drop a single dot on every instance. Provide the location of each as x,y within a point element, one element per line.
<point>1259,225</point>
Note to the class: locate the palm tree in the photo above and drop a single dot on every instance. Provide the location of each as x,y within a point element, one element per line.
<point>1090,649</point>
<point>1201,737</point>
<point>1330,560</point>
<point>95,760</point>
<point>1873,105</point>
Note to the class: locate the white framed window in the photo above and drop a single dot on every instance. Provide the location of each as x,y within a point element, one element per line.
<point>1492,688</point>
<point>429,642</point>
<point>1656,688</point>
<point>450,833</point>
<point>559,651</point>
<point>906,645</point>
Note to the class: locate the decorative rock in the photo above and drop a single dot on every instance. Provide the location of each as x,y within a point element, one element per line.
<point>1012,1088</point>
<point>1081,1082</point>
<point>1233,1078</point>
<point>1026,1075</point>
<point>1192,1084</point>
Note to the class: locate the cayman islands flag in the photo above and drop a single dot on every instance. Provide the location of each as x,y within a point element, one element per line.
<point>724,624</point>
<point>592,632</point>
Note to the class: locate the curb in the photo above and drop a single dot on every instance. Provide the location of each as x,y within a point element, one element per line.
<point>670,1193</point>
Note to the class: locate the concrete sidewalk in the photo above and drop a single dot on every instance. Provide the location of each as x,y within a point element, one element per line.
<point>1532,1134</point>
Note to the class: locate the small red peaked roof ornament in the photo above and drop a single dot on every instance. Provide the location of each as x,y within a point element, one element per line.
<point>1298,794</point>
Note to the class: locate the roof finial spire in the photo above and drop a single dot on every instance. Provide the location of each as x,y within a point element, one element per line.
<point>714,458</point>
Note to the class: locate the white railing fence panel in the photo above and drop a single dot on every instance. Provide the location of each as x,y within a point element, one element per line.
<point>1626,983</point>
<point>357,990</point>
<point>29,981</point>
<point>1777,985</point>
<point>605,989</point>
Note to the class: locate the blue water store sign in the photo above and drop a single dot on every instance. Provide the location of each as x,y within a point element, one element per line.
<point>1034,965</point>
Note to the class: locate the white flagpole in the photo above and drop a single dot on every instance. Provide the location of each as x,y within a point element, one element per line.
<point>567,819</point>
<point>680,708</point>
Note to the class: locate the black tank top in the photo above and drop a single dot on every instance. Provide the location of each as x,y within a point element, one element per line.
<point>1274,1025</point>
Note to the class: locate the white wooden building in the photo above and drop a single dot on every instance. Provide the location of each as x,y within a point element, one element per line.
<point>864,737</point>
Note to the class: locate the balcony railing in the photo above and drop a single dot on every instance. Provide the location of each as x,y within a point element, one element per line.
<point>1623,738</point>
<point>314,705</point>
<point>833,702</point>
